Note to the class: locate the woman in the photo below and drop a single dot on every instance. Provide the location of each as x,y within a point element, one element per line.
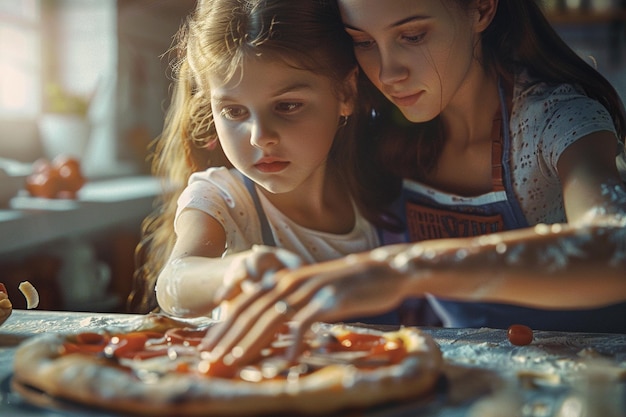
<point>497,114</point>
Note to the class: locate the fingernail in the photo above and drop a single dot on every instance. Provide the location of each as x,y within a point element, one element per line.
<point>268,281</point>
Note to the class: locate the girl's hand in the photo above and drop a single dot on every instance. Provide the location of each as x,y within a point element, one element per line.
<point>255,271</point>
<point>357,285</point>
<point>195,284</point>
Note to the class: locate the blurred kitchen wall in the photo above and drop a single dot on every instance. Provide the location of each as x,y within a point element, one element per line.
<point>109,54</point>
<point>99,60</point>
<point>146,29</point>
<point>596,30</point>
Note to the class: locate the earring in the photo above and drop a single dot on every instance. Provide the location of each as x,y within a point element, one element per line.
<point>343,120</point>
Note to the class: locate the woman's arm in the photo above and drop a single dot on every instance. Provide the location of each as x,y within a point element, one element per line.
<point>592,188</point>
<point>550,267</point>
<point>565,266</point>
<point>558,267</point>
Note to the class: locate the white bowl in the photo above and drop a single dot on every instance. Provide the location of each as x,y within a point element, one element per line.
<point>12,179</point>
<point>64,134</point>
<point>10,185</point>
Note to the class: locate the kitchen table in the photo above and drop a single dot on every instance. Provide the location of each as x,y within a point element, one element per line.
<point>558,375</point>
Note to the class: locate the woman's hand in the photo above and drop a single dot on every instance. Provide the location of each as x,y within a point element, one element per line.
<point>357,285</point>
<point>255,270</point>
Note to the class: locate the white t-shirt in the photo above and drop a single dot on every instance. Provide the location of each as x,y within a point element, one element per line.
<point>545,120</point>
<point>222,194</point>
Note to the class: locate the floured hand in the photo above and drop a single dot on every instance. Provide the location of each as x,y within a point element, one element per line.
<point>255,271</point>
<point>357,285</point>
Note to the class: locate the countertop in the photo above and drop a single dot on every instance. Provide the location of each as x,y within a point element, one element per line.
<point>558,375</point>
<point>100,204</point>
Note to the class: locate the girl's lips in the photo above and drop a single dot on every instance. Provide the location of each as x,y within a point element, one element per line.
<point>406,101</point>
<point>275,166</point>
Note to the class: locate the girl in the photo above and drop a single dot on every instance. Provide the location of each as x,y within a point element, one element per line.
<point>269,83</point>
<point>497,129</point>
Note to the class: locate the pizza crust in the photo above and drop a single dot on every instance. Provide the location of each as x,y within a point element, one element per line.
<point>96,383</point>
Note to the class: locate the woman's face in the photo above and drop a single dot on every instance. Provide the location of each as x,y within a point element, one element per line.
<point>418,53</point>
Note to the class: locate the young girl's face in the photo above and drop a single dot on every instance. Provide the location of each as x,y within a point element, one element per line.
<point>417,52</point>
<point>276,124</point>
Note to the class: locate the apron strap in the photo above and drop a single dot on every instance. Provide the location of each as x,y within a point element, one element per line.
<point>266,231</point>
<point>496,155</point>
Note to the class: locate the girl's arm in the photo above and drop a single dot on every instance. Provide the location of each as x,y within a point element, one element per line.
<point>195,268</point>
<point>197,278</point>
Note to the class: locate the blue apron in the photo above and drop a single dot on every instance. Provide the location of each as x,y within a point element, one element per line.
<point>266,231</point>
<point>432,214</point>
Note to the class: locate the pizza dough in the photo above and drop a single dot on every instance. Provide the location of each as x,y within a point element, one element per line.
<point>154,368</point>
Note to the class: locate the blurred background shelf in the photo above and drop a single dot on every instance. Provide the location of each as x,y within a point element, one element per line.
<point>101,205</point>
<point>58,245</point>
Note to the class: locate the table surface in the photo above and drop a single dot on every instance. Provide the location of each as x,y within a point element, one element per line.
<point>558,375</point>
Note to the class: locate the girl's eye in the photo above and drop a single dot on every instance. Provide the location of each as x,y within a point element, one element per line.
<point>288,107</point>
<point>233,113</point>
<point>363,44</point>
<point>414,38</point>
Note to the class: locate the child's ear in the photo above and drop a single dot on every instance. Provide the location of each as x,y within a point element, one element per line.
<point>349,93</point>
<point>486,10</point>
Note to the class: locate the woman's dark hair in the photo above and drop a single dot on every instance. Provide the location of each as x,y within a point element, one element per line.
<point>391,148</point>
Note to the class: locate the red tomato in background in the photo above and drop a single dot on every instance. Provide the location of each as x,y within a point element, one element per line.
<point>69,170</point>
<point>520,335</point>
<point>44,181</point>
<point>61,178</point>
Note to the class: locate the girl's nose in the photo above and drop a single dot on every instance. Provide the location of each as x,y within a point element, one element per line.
<point>391,70</point>
<point>262,134</point>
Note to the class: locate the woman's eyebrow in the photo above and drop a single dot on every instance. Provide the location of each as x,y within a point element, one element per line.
<point>394,24</point>
<point>408,20</point>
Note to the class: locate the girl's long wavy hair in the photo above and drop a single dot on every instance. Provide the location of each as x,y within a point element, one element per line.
<point>216,39</point>
<point>519,36</point>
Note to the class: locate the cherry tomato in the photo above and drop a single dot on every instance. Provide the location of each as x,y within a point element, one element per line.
<point>91,338</point>
<point>218,369</point>
<point>354,341</point>
<point>41,165</point>
<point>44,181</point>
<point>520,335</point>
<point>127,345</point>
<point>69,348</point>
<point>66,195</point>
<point>70,173</point>
<point>3,288</point>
